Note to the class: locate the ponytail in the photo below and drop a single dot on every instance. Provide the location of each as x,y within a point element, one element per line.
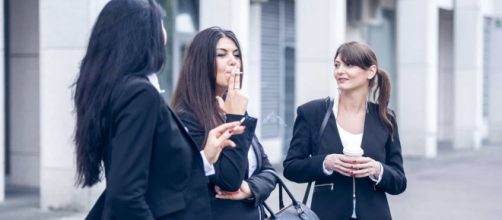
<point>382,91</point>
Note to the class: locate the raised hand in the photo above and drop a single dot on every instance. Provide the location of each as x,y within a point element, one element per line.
<point>235,102</point>
<point>218,138</point>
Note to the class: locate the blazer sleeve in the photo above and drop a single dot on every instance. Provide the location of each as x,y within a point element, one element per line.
<point>262,183</point>
<point>299,165</point>
<point>230,169</point>
<point>135,117</point>
<point>393,178</point>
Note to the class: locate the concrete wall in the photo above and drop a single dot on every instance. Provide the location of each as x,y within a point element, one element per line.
<point>253,66</point>
<point>446,85</point>
<point>64,31</point>
<point>417,36</point>
<point>315,47</point>
<point>24,93</point>
<point>468,78</point>
<point>2,105</point>
<point>495,80</point>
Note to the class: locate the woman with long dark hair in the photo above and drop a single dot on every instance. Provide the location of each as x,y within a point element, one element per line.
<point>357,159</point>
<point>126,132</point>
<point>207,95</point>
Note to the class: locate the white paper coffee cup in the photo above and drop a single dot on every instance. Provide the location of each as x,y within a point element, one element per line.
<point>353,152</point>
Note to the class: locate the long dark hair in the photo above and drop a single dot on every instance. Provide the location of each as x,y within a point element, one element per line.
<point>361,55</point>
<point>196,87</point>
<point>127,40</point>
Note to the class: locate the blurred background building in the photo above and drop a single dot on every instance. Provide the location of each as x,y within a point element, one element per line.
<point>441,55</point>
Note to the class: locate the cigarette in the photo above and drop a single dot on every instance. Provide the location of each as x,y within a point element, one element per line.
<point>237,80</point>
<point>240,122</point>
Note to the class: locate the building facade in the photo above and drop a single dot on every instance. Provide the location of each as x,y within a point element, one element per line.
<point>441,56</point>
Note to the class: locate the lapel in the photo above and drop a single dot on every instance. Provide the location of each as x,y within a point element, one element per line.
<point>365,142</point>
<point>180,124</point>
<point>330,139</point>
<point>374,136</point>
<point>182,128</point>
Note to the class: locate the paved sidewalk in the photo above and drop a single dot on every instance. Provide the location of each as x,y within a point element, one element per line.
<point>460,185</point>
<point>23,204</point>
<point>457,185</point>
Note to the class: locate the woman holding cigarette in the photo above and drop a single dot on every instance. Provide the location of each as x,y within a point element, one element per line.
<point>207,95</point>
<point>127,134</point>
<point>357,158</point>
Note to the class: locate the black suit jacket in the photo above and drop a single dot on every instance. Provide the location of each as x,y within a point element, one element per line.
<point>153,168</point>
<point>232,169</point>
<point>305,158</point>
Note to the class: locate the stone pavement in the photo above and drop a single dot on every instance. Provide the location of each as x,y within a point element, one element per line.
<point>23,203</point>
<point>460,185</point>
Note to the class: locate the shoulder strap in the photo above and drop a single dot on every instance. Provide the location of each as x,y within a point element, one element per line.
<point>326,118</point>
<point>321,131</point>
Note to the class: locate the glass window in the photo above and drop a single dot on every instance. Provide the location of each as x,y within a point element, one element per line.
<point>182,23</point>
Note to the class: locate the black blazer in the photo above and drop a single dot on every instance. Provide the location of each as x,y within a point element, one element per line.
<point>153,168</point>
<point>232,169</point>
<point>305,158</point>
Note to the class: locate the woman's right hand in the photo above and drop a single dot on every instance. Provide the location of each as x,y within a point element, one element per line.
<point>235,103</point>
<point>243,192</point>
<point>339,163</point>
<point>218,138</point>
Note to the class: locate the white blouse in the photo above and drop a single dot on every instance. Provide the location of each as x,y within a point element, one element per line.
<point>252,160</point>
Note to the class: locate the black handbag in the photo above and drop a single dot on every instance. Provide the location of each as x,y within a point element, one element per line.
<point>295,211</point>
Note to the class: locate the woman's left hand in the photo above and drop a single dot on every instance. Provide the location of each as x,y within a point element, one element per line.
<point>243,192</point>
<point>218,138</point>
<point>366,166</point>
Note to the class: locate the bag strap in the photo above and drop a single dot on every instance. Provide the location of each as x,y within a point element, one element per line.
<point>282,187</point>
<point>321,131</point>
<point>270,211</point>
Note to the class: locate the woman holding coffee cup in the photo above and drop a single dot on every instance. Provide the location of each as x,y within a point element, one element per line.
<point>357,158</point>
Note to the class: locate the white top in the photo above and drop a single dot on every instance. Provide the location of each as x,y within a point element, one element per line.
<point>349,140</point>
<point>252,160</point>
<point>353,143</point>
<point>154,80</point>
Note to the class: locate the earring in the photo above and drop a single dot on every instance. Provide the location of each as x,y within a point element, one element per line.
<point>367,101</point>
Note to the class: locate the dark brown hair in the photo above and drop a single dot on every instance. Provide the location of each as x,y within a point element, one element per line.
<point>196,87</point>
<point>359,54</point>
